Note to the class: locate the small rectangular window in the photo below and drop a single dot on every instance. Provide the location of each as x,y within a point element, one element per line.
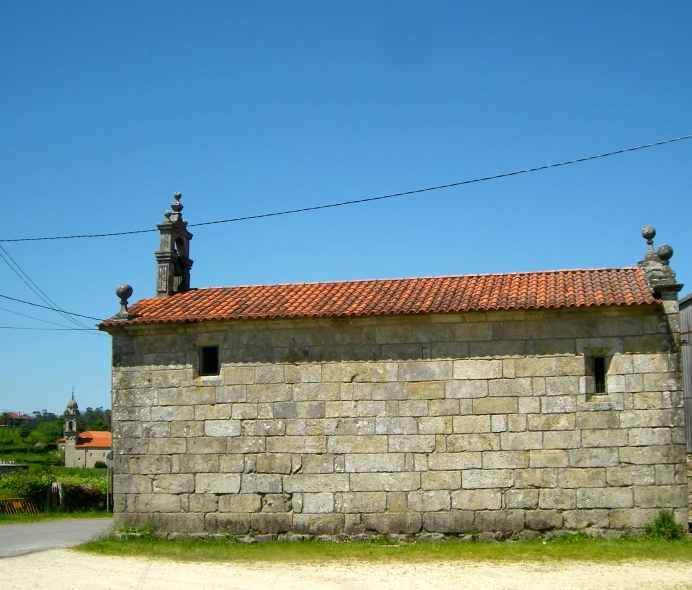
<point>599,374</point>
<point>209,360</point>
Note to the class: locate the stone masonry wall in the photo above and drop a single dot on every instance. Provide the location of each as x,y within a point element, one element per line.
<point>409,424</point>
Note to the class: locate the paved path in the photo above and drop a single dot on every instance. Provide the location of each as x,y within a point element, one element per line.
<point>18,539</point>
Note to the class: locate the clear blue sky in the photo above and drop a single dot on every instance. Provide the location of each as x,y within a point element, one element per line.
<point>106,109</point>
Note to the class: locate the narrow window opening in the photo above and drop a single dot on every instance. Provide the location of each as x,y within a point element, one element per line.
<point>209,360</point>
<point>599,374</point>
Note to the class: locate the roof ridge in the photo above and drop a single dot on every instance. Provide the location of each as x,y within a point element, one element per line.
<point>418,278</point>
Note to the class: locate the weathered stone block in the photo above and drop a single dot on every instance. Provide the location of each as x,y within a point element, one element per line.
<point>388,482</point>
<point>230,394</point>
<point>131,484</point>
<point>150,465</point>
<point>499,520</point>
<point>157,503</point>
<point>469,424</point>
<point>222,428</point>
<point>521,441</point>
<point>466,389</point>
<point>536,367</point>
<point>551,421</point>
<point>557,499</point>
<point>548,458</point>
<point>653,455</point>
<point>240,503</point>
<point>318,503</point>
<point>496,405</point>
<point>217,483</point>
<point>271,523</point>
<point>505,459</point>
<point>628,475</point>
<point>450,460</point>
<point>274,463</point>
<point>633,518</point>
<point>649,436</point>
<point>487,478</point>
<point>440,480</point>
<point>206,445</point>
<point>535,478</point>
<point>396,425</point>
<point>174,484</point>
<point>398,523</point>
<point>426,390</point>
<point>373,463</point>
<point>358,502</point>
<point>605,498</point>
<point>606,457</point>
<point>457,443</point>
<point>660,496</point>
<point>543,520</point>
<point>238,375</point>
<point>603,438</point>
<point>510,387</point>
<point>187,429</point>
<point>454,521</point>
<point>425,371</point>
<point>435,425</point>
<point>477,369</point>
<point>298,444</point>
<point>521,498</point>
<point>482,499</point>
<point>307,483</point>
<point>421,443</point>
<point>582,519</point>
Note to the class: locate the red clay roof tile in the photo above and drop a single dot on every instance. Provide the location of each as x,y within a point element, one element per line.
<point>455,294</point>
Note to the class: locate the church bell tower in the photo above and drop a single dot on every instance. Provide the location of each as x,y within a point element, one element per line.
<point>173,256</point>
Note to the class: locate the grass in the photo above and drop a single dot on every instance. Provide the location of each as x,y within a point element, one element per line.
<point>572,548</point>
<point>24,518</point>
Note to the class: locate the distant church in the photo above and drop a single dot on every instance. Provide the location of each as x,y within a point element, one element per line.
<point>84,449</point>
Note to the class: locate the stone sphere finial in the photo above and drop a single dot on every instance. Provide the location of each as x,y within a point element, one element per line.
<point>124,291</point>
<point>167,214</point>
<point>649,233</point>
<point>665,252</point>
<point>176,206</point>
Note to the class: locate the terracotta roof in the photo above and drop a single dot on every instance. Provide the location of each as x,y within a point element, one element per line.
<point>454,294</point>
<point>17,416</point>
<point>94,439</point>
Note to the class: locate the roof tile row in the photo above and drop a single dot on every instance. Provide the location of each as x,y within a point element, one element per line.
<point>454,294</point>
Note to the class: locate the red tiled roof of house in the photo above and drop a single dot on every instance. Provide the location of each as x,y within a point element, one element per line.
<point>17,416</point>
<point>94,439</point>
<point>454,294</point>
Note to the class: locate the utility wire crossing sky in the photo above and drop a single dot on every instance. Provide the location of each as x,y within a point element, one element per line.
<point>369,199</point>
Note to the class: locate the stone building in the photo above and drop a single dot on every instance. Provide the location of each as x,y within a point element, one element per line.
<point>83,449</point>
<point>499,403</point>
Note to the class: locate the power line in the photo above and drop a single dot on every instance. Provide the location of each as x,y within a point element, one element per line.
<point>367,200</point>
<point>51,329</point>
<point>37,319</point>
<point>34,287</point>
<point>79,315</point>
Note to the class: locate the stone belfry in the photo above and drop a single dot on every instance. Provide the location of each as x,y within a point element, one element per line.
<point>70,431</point>
<point>173,256</point>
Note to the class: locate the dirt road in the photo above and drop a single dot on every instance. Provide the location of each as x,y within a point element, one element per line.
<point>64,569</point>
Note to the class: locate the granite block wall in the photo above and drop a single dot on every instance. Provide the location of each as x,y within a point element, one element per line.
<point>477,422</point>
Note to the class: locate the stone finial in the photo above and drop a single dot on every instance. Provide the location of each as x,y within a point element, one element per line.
<point>649,233</point>
<point>124,292</point>
<point>656,267</point>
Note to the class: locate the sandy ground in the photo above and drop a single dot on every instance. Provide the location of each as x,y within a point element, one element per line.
<point>63,569</point>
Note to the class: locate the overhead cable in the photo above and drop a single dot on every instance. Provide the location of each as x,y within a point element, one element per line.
<point>365,200</point>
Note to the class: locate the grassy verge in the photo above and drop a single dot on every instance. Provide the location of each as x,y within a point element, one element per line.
<point>575,548</point>
<point>22,518</point>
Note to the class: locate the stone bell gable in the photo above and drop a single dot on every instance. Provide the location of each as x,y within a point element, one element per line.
<point>502,403</point>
